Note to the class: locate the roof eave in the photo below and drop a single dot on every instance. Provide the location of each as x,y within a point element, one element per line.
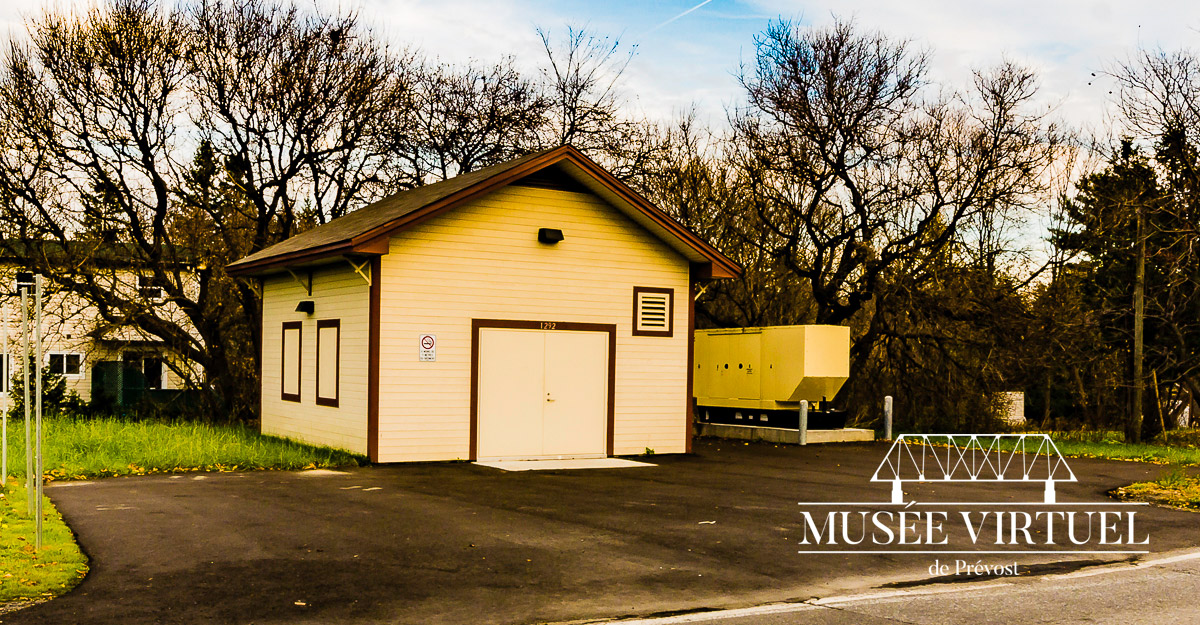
<point>271,264</point>
<point>376,240</point>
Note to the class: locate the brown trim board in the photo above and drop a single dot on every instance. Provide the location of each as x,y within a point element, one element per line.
<point>332,402</point>
<point>283,394</point>
<point>373,363</point>
<point>690,400</point>
<point>560,326</point>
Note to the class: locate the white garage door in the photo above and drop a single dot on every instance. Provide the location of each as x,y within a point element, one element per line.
<point>542,394</point>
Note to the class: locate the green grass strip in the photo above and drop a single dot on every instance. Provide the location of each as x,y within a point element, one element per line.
<point>26,574</point>
<point>1173,488</point>
<point>1182,447</point>
<point>82,448</point>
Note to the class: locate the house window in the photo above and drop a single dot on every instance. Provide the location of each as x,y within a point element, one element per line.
<point>653,310</point>
<point>67,365</point>
<point>329,354</point>
<point>142,371</point>
<point>290,356</point>
<point>147,289</point>
<point>152,370</point>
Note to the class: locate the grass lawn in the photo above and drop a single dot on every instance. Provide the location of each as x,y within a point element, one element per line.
<point>26,574</point>
<point>1173,488</point>
<point>1182,448</point>
<point>78,448</point>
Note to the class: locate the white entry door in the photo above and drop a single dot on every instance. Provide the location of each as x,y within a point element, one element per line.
<point>542,394</point>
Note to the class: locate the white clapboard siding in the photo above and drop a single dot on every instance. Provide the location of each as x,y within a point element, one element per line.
<point>483,261</point>
<point>338,293</point>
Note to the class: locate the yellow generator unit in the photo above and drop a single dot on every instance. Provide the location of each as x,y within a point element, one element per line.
<point>758,376</point>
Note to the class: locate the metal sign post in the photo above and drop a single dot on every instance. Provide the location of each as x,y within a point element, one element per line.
<point>25,391</point>
<point>7,367</point>
<point>39,479</point>
<point>33,445</point>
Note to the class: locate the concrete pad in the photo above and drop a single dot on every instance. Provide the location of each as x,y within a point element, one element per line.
<point>576,463</point>
<point>783,435</point>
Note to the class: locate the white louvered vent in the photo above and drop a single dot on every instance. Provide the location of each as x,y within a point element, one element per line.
<point>654,312</point>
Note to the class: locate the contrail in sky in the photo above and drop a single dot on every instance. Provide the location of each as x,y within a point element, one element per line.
<point>678,16</point>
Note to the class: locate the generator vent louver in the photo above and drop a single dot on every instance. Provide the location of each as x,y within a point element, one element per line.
<point>653,312</point>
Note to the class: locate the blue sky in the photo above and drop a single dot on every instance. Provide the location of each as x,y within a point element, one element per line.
<point>693,59</point>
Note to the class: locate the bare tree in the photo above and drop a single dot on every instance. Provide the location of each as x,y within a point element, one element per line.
<point>855,173</point>
<point>154,144</point>
<point>463,118</point>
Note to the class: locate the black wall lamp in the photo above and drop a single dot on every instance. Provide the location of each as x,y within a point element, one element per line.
<point>25,281</point>
<point>306,306</point>
<point>549,235</point>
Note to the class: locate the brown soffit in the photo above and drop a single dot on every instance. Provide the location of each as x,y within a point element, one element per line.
<point>375,240</point>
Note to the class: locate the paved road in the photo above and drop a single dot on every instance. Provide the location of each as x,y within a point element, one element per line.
<point>1158,592</point>
<point>459,544</point>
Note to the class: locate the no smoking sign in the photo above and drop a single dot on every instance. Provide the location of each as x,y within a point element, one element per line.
<point>428,347</point>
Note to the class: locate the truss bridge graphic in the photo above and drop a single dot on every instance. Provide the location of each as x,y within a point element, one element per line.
<point>973,458</point>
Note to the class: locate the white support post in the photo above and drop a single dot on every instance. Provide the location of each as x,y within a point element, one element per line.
<point>803,421</point>
<point>897,492</point>
<point>887,418</point>
<point>1049,497</point>
<point>38,478</point>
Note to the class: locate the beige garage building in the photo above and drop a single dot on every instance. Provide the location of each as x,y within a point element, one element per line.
<point>534,309</point>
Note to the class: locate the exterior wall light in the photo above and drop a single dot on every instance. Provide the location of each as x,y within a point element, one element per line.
<point>306,306</point>
<point>549,235</point>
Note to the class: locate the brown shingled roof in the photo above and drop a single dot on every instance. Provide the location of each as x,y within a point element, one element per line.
<point>368,230</point>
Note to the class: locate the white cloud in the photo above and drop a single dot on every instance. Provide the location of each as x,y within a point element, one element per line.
<point>692,59</point>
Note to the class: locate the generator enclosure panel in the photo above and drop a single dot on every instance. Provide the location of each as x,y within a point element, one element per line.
<point>770,368</point>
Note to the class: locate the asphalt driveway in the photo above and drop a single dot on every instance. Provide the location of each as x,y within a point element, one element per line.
<point>459,543</point>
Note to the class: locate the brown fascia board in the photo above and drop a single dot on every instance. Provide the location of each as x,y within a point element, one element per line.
<point>288,260</point>
<point>376,240</point>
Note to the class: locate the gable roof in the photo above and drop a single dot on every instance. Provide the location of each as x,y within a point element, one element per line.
<point>369,229</point>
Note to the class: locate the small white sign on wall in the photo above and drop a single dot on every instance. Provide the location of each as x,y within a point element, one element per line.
<point>427,347</point>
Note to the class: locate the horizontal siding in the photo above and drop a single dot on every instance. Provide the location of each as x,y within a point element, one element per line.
<point>483,261</point>
<point>338,293</point>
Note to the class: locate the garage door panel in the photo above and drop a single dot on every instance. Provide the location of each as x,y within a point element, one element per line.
<point>576,415</point>
<point>511,390</point>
